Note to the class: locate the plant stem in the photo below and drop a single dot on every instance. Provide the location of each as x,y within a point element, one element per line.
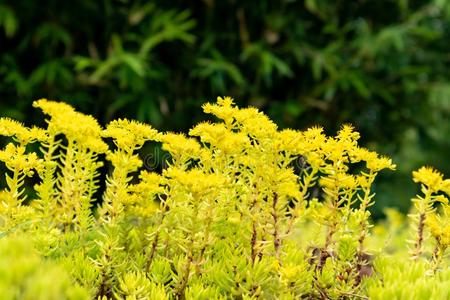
<point>306,183</point>
<point>419,241</point>
<point>276,234</point>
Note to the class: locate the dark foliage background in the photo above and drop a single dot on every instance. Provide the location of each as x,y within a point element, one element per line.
<point>382,65</point>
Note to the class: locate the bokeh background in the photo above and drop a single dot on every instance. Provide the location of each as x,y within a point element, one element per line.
<point>382,65</point>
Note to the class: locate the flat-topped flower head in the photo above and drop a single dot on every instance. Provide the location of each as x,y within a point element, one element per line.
<point>195,180</point>
<point>122,160</point>
<point>178,145</point>
<point>15,158</point>
<point>290,140</point>
<point>248,120</point>
<point>314,138</point>
<point>429,177</point>
<point>445,186</point>
<point>362,154</point>
<point>342,180</point>
<point>379,163</point>
<point>38,134</point>
<point>225,101</point>
<point>374,162</point>
<point>150,183</point>
<point>220,137</point>
<point>93,143</point>
<point>439,225</point>
<point>284,183</point>
<point>347,132</point>
<point>84,129</point>
<point>129,134</point>
<point>209,133</point>
<point>255,123</point>
<point>9,127</point>
<point>234,143</point>
<point>53,108</point>
<point>336,150</point>
<point>20,133</point>
<point>314,132</point>
<point>224,109</point>
<point>80,128</point>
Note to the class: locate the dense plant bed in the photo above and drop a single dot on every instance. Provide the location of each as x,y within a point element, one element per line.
<point>242,211</point>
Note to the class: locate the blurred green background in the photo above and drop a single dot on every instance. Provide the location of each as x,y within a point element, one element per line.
<point>382,65</point>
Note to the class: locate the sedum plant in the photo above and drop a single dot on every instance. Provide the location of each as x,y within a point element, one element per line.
<point>243,210</point>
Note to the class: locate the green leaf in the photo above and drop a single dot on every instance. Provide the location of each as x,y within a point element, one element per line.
<point>8,20</point>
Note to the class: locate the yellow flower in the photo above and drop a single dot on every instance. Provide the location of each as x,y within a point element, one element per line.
<point>195,181</point>
<point>224,109</point>
<point>22,134</point>
<point>439,225</point>
<point>124,161</point>
<point>53,108</point>
<point>95,144</point>
<point>374,162</point>
<point>341,180</point>
<point>254,123</point>
<point>15,158</point>
<point>285,183</point>
<point>80,128</point>
<point>336,150</point>
<point>314,132</point>
<point>247,161</point>
<point>348,181</point>
<point>362,154</point>
<point>314,138</point>
<point>380,163</point>
<point>149,185</point>
<point>347,132</point>
<point>429,177</point>
<point>38,134</point>
<point>315,160</point>
<point>234,143</point>
<point>225,101</point>
<point>129,135</point>
<point>178,145</point>
<point>363,181</point>
<point>218,136</point>
<point>209,133</point>
<point>290,140</point>
<point>445,186</point>
<point>289,273</point>
<point>9,127</point>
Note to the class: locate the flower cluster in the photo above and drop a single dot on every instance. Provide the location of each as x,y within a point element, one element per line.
<point>79,128</point>
<point>21,134</point>
<point>241,210</point>
<point>436,190</point>
<point>181,148</point>
<point>129,135</point>
<point>439,225</point>
<point>432,179</point>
